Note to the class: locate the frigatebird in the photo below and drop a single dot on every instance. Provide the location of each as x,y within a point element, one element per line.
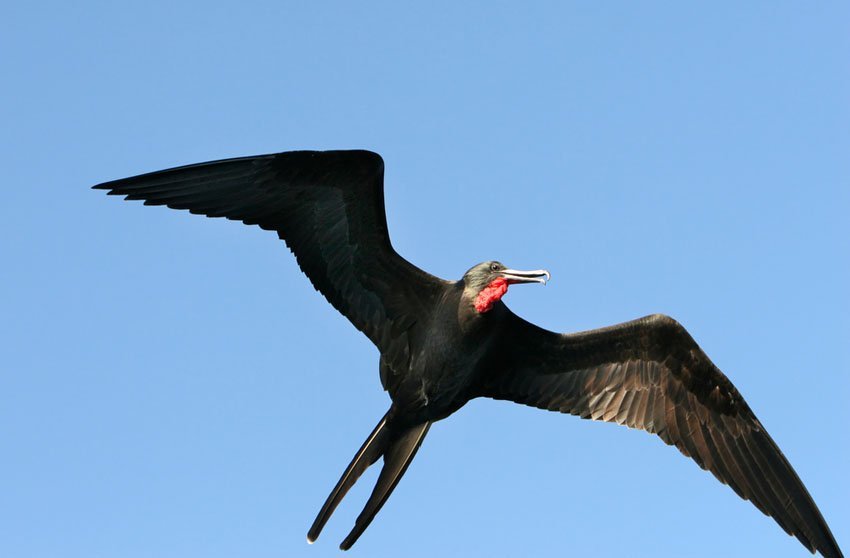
<point>443,343</point>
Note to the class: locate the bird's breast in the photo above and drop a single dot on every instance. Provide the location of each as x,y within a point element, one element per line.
<point>448,359</point>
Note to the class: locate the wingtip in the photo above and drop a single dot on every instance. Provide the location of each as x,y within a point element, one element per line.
<point>310,540</point>
<point>110,191</point>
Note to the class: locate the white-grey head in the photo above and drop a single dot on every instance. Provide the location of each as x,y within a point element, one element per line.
<point>487,282</point>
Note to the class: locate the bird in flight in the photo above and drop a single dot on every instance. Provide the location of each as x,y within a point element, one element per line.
<point>443,343</point>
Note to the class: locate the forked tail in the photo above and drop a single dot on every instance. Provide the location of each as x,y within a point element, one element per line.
<point>398,447</point>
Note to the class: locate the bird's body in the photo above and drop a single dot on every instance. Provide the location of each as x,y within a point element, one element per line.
<point>452,347</point>
<point>443,343</point>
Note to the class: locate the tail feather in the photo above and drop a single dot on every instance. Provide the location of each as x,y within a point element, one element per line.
<point>373,448</point>
<point>397,458</point>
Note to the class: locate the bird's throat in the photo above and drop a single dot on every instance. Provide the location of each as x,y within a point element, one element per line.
<point>490,294</point>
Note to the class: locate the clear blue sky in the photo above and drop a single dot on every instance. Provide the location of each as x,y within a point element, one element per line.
<point>173,387</point>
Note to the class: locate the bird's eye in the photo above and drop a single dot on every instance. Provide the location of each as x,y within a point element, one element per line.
<point>494,267</point>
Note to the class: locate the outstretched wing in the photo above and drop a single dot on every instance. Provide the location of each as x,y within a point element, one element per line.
<point>650,374</point>
<point>329,209</point>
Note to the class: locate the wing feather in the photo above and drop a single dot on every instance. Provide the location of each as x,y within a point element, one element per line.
<point>649,374</point>
<point>329,209</point>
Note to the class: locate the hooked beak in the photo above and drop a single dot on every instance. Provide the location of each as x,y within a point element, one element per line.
<point>516,276</point>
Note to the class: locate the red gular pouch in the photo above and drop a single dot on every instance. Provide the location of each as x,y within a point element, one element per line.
<point>490,294</point>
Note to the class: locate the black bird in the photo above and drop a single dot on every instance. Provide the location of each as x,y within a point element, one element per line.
<point>443,343</point>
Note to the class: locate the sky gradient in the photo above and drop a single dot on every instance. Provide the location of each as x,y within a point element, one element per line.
<point>172,386</point>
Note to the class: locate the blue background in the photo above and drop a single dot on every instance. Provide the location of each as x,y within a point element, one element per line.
<point>172,386</point>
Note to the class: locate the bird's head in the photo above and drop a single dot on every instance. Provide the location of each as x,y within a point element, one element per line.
<point>486,283</point>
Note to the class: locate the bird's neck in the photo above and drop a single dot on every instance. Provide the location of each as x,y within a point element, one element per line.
<point>490,295</point>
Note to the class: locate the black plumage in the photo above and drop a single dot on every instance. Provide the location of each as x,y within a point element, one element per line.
<point>443,343</point>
